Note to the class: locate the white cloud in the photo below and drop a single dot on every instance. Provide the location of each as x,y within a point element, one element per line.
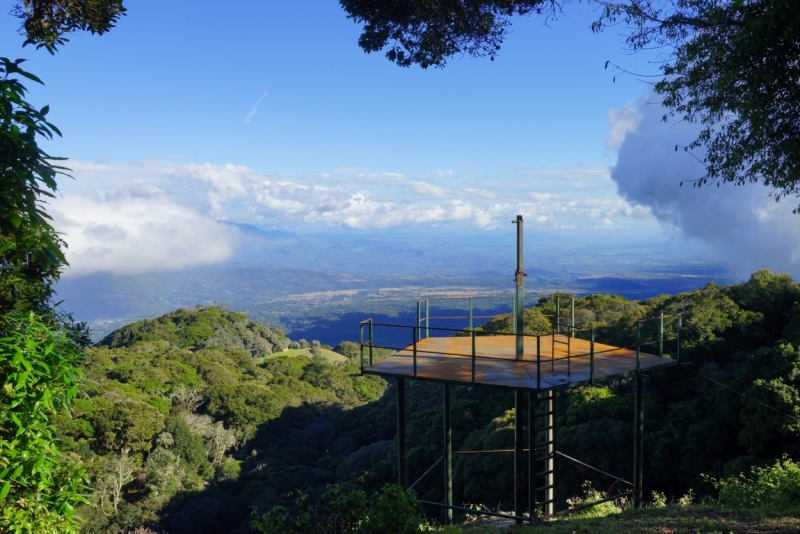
<point>742,223</point>
<point>156,215</point>
<point>620,122</point>
<point>137,229</point>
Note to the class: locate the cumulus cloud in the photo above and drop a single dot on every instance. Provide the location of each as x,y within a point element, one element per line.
<point>136,229</point>
<point>742,223</point>
<point>157,215</point>
<point>620,122</point>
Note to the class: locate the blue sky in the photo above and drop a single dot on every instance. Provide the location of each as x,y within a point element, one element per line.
<point>270,114</point>
<point>179,78</point>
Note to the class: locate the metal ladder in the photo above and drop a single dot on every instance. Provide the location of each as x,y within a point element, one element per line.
<point>542,453</point>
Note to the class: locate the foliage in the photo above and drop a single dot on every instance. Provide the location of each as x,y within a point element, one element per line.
<point>772,488</point>
<point>391,510</point>
<point>427,33</point>
<point>45,22</point>
<point>39,486</point>
<point>30,249</point>
<point>731,70</point>
<point>591,495</point>
<point>728,65</point>
<point>310,422</point>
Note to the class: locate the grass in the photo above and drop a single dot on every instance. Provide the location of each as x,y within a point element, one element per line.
<point>694,519</point>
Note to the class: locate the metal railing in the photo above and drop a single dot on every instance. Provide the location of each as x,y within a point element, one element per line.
<point>369,344</point>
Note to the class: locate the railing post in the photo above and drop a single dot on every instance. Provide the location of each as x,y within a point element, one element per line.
<point>419,313</point>
<point>427,319</point>
<point>661,334</point>
<point>473,357</point>
<point>470,313</point>
<point>513,315</point>
<point>591,357</point>
<point>680,325</point>
<point>361,345</point>
<point>558,315</point>
<point>448,455</point>
<point>538,362</point>
<point>415,351</point>
<point>638,344</point>
<point>572,318</point>
<point>371,342</point>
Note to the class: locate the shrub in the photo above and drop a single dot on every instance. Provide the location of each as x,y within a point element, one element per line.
<point>391,510</point>
<point>771,488</point>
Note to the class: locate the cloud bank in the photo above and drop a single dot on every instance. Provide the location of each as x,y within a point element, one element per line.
<point>742,223</point>
<point>159,215</point>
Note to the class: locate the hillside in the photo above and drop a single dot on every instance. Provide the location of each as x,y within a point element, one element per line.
<point>200,416</point>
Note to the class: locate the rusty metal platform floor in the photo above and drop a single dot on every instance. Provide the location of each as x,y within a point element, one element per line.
<point>449,359</point>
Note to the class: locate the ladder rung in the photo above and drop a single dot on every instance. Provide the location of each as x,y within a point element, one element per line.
<point>545,444</point>
<point>544,487</point>
<point>542,473</point>
<point>548,501</point>
<point>543,458</point>
<point>542,429</point>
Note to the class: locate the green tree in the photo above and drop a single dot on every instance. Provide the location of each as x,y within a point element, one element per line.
<point>45,22</point>
<point>728,65</point>
<point>30,249</point>
<point>39,486</point>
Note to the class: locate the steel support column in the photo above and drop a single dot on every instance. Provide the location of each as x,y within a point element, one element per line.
<point>520,461</point>
<point>519,304</point>
<point>448,456</point>
<point>402,475</point>
<point>531,456</point>
<point>638,442</point>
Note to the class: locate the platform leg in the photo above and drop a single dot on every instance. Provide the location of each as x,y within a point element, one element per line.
<point>520,461</point>
<point>448,456</point>
<point>402,475</point>
<point>638,443</point>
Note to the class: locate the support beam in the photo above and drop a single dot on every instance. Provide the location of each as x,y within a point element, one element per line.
<point>531,456</point>
<point>638,442</point>
<point>402,475</point>
<point>448,456</point>
<point>520,460</point>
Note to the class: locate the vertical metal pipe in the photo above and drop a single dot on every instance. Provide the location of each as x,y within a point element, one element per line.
<point>448,455</point>
<point>520,302</point>
<point>402,478</point>
<point>538,362</point>
<point>572,318</point>
<point>558,315</point>
<point>519,454</point>
<point>361,345</point>
<point>415,352</point>
<point>473,357</point>
<point>371,342</point>
<point>419,314</point>
<point>678,350</point>
<point>661,335</point>
<point>638,344</point>
<point>638,443</point>
<point>427,318</point>
<point>513,315</point>
<point>470,313</point>
<point>591,357</point>
<point>532,455</point>
<point>550,463</point>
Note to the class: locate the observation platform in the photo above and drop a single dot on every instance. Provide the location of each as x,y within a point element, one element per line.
<point>549,361</point>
